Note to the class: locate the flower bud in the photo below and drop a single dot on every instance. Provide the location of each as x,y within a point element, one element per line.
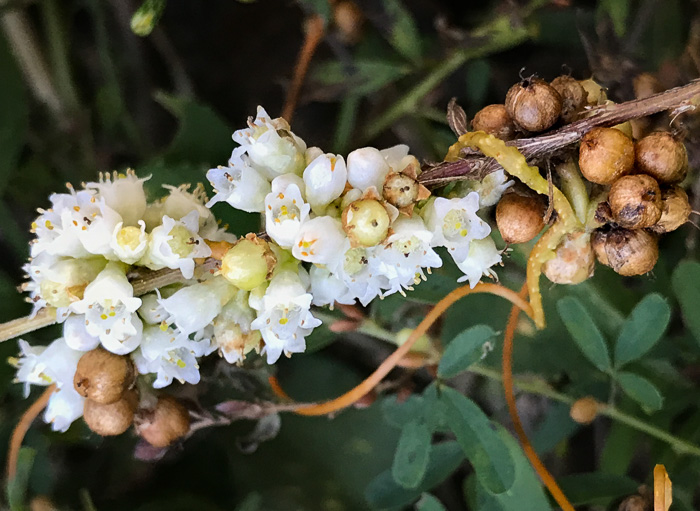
<point>519,218</point>
<point>605,155</point>
<point>533,104</point>
<point>584,410</point>
<point>248,263</point>
<point>635,201</point>
<point>102,376</point>
<point>494,120</point>
<point>574,97</point>
<point>662,156</point>
<point>574,260</point>
<point>366,222</point>
<point>676,210</point>
<point>627,252</point>
<point>145,18</point>
<point>167,422</point>
<point>113,418</point>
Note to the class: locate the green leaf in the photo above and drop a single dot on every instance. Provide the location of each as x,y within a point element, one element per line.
<point>526,488</point>
<point>385,493</point>
<point>435,410</point>
<point>596,487</point>
<point>584,332</point>
<point>403,33</point>
<point>686,285</point>
<point>429,503</point>
<point>641,390</point>
<point>363,77</point>
<point>617,11</point>
<point>485,450</point>
<point>399,414</point>
<point>17,487</point>
<point>644,327</point>
<point>412,455</point>
<point>465,349</point>
<point>15,114</point>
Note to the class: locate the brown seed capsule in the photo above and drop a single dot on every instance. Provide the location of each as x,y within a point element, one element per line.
<point>662,156</point>
<point>634,503</point>
<point>598,239</point>
<point>494,120</point>
<point>519,218</point>
<point>574,97</point>
<point>400,190</point>
<point>584,410</point>
<point>676,210</point>
<point>103,376</point>
<point>573,262</point>
<point>350,21</point>
<point>631,252</point>
<point>533,104</point>
<point>635,201</point>
<point>164,424</point>
<point>605,155</point>
<point>113,418</point>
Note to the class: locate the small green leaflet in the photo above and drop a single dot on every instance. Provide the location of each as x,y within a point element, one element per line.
<point>643,329</point>
<point>412,455</point>
<point>584,332</point>
<point>686,285</point>
<point>429,503</point>
<point>467,348</point>
<point>641,390</point>
<point>403,33</point>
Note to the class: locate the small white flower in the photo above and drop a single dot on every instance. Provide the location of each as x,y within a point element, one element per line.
<point>491,187</point>
<point>129,243</point>
<point>284,318</point>
<point>180,202</point>
<point>109,305</point>
<point>328,288</point>
<point>406,252</point>
<point>454,223</point>
<point>60,282</point>
<point>169,355</point>
<point>93,221</point>
<point>123,193</point>
<point>175,244</point>
<point>194,307</point>
<point>233,334</point>
<point>367,167</point>
<point>65,406</point>
<point>272,148</point>
<point>285,210</point>
<point>483,254</point>
<point>152,311</point>
<point>358,269</point>
<point>325,180</point>
<point>30,366</point>
<point>319,240</point>
<point>51,234</point>
<point>239,184</point>
<point>76,335</point>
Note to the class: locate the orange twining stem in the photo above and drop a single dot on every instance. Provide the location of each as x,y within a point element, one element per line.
<point>315,28</point>
<point>535,461</point>
<point>385,367</point>
<point>277,389</point>
<point>22,427</point>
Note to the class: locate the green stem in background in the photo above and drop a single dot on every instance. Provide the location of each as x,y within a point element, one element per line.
<point>347,119</point>
<point>500,34</point>
<point>542,388</point>
<point>58,53</point>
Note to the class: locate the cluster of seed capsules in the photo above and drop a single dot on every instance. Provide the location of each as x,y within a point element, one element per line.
<point>630,195</point>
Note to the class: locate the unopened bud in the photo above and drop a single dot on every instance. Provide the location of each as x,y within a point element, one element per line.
<point>248,263</point>
<point>146,17</point>
<point>366,222</point>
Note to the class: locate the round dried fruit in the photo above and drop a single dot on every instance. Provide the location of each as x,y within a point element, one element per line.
<point>662,156</point>
<point>102,376</point>
<point>635,201</point>
<point>494,120</point>
<point>605,155</point>
<point>533,104</point>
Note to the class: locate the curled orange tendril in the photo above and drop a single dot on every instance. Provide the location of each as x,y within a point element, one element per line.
<point>22,427</point>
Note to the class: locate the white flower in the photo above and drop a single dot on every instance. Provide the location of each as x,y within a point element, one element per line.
<point>483,254</point>
<point>272,148</point>
<point>169,355</point>
<point>406,252</point>
<point>367,167</point>
<point>285,210</point>
<point>491,187</point>
<point>151,310</point>
<point>76,335</point>
<point>327,288</point>
<point>175,244</point>
<point>239,184</point>
<point>65,405</point>
<point>358,269</point>
<point>51,235</point>
<point>180,202</point>
<point>122,193</point>
<point>284,318</point>
<point>93,221</point>
<point>325,180</point>
<point>129,243</point>
<point>319,240</point>
<point>109,305</point>
<point>233,334</point>
<point>30,366</point>
<point>454,223</point>
<point>194,307</point>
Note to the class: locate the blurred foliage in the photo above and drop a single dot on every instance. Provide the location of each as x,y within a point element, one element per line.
<point>166,105</point>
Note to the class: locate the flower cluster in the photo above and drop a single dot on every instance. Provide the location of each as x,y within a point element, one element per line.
<point>336,229</point>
